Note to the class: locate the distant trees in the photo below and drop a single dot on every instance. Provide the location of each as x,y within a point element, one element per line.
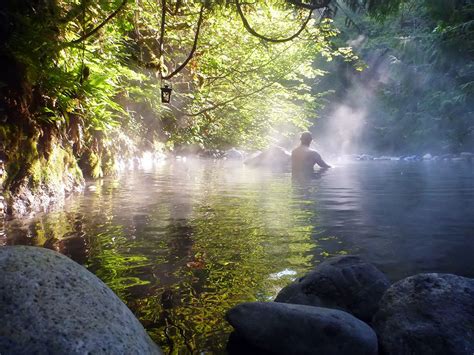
<point>423,99</point>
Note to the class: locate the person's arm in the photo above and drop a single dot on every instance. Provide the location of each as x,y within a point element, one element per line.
<point>318,160</point>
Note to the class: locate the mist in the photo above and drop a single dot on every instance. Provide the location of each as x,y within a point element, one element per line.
<point>409,100</point>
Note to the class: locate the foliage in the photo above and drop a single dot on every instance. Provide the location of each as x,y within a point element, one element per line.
<point>417,92</point>
<point>86,75</point>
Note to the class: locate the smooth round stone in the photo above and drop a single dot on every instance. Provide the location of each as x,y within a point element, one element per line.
<point>51,305</point>
<point>280,328</point>
<point>345,282</point>
<point>427,314</point>
<point>272,157</point>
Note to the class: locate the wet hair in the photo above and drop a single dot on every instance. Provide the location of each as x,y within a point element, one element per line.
<point>306,138</point>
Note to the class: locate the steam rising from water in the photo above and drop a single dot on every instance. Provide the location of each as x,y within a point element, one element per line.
<point>345,126</point>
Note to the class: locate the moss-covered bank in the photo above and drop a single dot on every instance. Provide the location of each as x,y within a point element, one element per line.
<point>35,177</point>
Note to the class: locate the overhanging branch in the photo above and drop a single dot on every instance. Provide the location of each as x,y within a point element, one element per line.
<point>268,39</point>
<point>226,102</point>
<point>162,32</point>
<point>102,24</point>
<point>193,49</point>
<point>313,5</point>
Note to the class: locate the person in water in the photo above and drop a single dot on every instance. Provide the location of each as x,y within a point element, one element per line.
<point>303,157</point>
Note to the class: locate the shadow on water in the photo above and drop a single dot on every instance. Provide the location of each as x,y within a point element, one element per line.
<point>184,242</point>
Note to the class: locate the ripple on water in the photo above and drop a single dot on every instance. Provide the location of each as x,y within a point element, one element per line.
<point>183,243</point>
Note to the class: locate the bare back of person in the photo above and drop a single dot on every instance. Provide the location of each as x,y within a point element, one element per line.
<point>303,158</point>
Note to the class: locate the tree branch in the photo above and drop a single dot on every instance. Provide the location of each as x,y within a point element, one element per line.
<point>315,4</point>
<point>274,40</point>
<point>162,34</point>
<point>95,30</point>
<point>193,49</point>
<point>223,103</point>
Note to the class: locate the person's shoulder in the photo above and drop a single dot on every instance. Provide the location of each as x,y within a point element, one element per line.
<point>297,149</point>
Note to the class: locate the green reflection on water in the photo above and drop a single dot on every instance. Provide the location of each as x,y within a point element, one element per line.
<point>181,275</point>
<point>238,245</point>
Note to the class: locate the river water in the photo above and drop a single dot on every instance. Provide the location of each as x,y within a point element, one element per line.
<point>184,241</point>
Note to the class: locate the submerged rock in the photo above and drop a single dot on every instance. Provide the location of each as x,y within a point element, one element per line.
<point>279,328</point>
<point>366,157</point>
<point>345,282</point>
<point>234,154</point>
<point>446,156</point>
<point>52,305</point>
<point>412,158</point>
<point>427,314</point>
<point>272,157</point>
<point>383,158</point>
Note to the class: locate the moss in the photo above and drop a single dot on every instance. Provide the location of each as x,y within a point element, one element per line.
<point>95,163</point>
<point>53,174</point>
<point>36,175</point>
<point>60,167</point>
<point>109,164</point>
<point>12,170</point>
<point>5,133</point>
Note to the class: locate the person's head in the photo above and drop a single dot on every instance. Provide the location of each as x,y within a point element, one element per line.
<point>306,138</point>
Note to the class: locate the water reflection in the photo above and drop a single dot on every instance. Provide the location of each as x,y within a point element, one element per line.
<point>184,242</point>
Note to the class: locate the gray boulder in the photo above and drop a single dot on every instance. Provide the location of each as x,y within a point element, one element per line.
<point>467,156</point>
<point>279,328</point>
<point>51,305</point>
<point>272,157</point>
<point>345,282</point>
<point>366,157</point>
<point>412,158</point>
<point>234,154</point>
<point>427,314</point>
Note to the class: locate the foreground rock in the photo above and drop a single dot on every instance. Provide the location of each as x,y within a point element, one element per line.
<point>51,305</point>
<point>427,314</point>
<point>280,328</point>
<point>346,282</point>
<point>272,157</point>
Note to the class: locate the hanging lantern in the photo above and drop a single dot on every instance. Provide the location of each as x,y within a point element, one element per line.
<point>166,93</point>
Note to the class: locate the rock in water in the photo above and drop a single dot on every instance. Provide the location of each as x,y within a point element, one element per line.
<point>345,282</point>
<point>51,305</point>
<point>280,328</point>
<point>234,154</point>
<point>275,156</point>
<point>427,314</point>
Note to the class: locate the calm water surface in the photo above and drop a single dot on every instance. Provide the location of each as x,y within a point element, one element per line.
<point>183,242</point>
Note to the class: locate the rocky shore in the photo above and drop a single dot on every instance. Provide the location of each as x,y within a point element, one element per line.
<point>347,306</point>
<point>463,156</point>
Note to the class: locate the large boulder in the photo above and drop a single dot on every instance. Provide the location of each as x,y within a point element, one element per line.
<point>51,305</point>
<point>427,314</point>
<point>345,282</point>
<point>279,328</point>
<point>234,154</point>
<point>275,156</point>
